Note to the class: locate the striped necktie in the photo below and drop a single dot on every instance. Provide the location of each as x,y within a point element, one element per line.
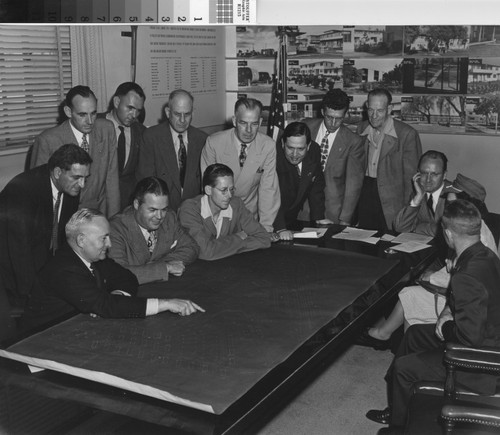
<point>324,150</point>
<point>85,144</point>
<point>55,224</point>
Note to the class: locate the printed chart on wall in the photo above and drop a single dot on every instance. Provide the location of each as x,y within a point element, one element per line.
<point>190,58</point>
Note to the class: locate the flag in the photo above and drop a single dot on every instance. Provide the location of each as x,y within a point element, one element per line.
<point>277,116</point>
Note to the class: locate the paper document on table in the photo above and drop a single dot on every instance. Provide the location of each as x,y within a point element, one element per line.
<point>388,237</point>
<point>310,233</point>
<point>410,247</point>
<point>350,233</point>
<point>412,237</point>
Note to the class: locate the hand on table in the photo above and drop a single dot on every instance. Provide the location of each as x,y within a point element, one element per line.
<point>175,267</point>
<point>183,307</point>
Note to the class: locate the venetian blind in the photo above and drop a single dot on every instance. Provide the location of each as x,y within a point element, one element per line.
<point>35,74</point>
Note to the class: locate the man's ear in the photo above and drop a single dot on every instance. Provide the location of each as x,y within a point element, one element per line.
<point>116,102</point>
<point>67,111</point>
<point>79,240</point>
<point>167,112</point>
<point>57,172</point>
<point>234,121</point>
<point>208,190</point>
<point>136,204</point>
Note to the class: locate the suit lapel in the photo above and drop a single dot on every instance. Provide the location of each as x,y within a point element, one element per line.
<point>388,144</point>
<point>232,155</point>
<point>170,158</point>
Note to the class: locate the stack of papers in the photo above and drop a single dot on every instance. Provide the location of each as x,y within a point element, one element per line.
<point>310,233</point>
<point>350,233</point>
<point>411,242</point>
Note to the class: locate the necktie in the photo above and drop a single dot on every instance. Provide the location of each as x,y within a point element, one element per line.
<point>243,155</point>
<point>85,143</point>
<point>151,241</point>
<point>430,204</point>
<point>121,149</point>
<point>324,150</point>
<point>298,170</point>
<point>97,275</point>
<point>55,224</point>
<point>182,160</point>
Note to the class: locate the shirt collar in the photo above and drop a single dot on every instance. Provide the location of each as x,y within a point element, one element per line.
<point>55,190</point>
<point>78,134</point>
<point>111,117</point>
<point>206,212</point>
<point>437,194</point>
<point>389,128</point>
<point>175,135</point>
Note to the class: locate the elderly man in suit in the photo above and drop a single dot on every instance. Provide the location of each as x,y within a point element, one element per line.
<point>252,157</point>
<point>393,150</point>
<point>147,238</point>
<point>343,157</point>
<point>35,207</point>
<point>298,164</point>
<point>80,278</point>
<point>125,107</point>
<point>97,137</point>
<point>171,150</point>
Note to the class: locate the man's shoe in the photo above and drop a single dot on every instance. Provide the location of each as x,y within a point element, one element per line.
<point>391,430</point>
<point>367,340</point>
<point>379,416</point>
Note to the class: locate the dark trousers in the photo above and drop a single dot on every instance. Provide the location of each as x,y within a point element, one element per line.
<point>370,213</point>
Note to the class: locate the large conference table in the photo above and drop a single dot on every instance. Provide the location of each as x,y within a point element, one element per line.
<point>274,320</point>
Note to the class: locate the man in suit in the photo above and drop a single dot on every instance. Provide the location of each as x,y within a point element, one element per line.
<point>470,317</point>
<point>300,176</point>
<point>35,208</point>
<point>219,221</point>
<point>171,150</point>
<point>252,157</point>
<point>81,279</point>
<point>97,137</point>
<point>342,157</point>
<point>147,238</point>
<point>393,150</point>
<point>125,107</point>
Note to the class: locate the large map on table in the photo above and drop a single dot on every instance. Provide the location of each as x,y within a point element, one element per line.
<point>260,307</point>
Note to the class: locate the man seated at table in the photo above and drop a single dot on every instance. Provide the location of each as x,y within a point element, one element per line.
<point>471,317</point>
<point>147,238</point>
<point>218,220</point>
<point>298,164</point>
<point>81,278</point>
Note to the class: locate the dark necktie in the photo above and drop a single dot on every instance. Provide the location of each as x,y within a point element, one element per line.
<point>97,274</point>
<point>298,170</point>
<point>85,144</point>
<point>182,160</point>
<point>121,149</point>
<point>324,150</point>
<point>430,204</point>
<point>55,224</point>
<point>243,154</point>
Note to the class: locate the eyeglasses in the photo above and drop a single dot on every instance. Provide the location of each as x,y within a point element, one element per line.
<point>226,190</point>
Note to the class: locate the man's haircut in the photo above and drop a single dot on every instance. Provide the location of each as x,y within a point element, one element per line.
<point>435,155</point>
<point>249,103</point>
<point>67,155</point>
<point>336,99</point>
<point>79,218</point>
<point>83,91</point>
<point>215,171</point>
<point>378,92</point>
<point>179,92</point>
<point>153,185</point>
<point>462,217</point>
<point>297,129</point>
<point>127,87</point>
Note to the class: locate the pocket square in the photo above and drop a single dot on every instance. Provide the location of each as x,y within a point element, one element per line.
<point>174,245</point>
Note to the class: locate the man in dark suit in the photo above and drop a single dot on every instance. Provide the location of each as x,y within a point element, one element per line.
<point>471,317</point>
<point>342,157</point>
<point>171,150</point>
<point>35,208</point>
<point>81,278</point>
<point>97,137</point>
<point>125,107</point>
<point>300,177</point>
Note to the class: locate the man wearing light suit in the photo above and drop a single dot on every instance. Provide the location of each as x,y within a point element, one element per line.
<point>97,137</point>
<point>252,157</point>
<point>147,238</point>
<point>171,150</point>
<point>342,158</point>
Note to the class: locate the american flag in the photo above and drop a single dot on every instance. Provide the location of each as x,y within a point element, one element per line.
<point>277,115</point>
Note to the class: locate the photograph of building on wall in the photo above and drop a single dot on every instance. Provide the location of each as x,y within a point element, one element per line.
<point>255,75</point>
<point>363,75</point>
<point>482,114</point>
<point>315,41</point>
<point>434,113</point>
<point>484,75</point>
<point>437,40</point>
<point>370,41</point>
<point>428,75</point>
<point>314,76</point>
<point>256,41</point>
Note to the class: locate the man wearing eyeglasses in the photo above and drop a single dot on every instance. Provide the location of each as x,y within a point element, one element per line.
<point>393,150</point>
<point>218,220</point>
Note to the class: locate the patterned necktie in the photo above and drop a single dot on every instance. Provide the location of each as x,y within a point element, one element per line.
<point>55,224</point>
<point>85,144</point>
<point>121,149</point>
<point>151,241</point>
<point>430,205</point>
<point>243,154</point>
<point>324,150</point>
<point>182,160</point>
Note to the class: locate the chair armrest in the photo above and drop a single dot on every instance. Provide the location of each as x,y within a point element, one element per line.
<point>455,413</point>
<point>463,357</point>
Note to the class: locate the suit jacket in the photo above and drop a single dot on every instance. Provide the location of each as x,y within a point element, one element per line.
<point>397,164</point>
<point>295,190</point>
<point>157,158</point>
<point>344,172</point>
<point>127,178</point>
<point>69,286</point>
<point>26,217</point>
<point>257,182</point>
<point>101,189</point>
<point>420,219</point>
<point>228,243</point>
<point>129,248</point>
